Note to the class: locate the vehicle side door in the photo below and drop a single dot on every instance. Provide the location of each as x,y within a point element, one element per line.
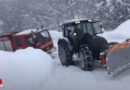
<point>17,42</point>
<point>43,40</point>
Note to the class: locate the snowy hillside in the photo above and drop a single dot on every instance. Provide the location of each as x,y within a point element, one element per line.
<point>25,14</point>
<point>32,69</point>
<point>120,34</point>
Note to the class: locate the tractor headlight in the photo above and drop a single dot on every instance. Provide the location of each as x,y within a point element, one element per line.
<point>77,22</point>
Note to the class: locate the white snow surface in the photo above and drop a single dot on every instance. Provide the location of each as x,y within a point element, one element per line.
<point>32,69</point>
<point>120,34</point>
<point>24,69</point>
<point>55,36</point>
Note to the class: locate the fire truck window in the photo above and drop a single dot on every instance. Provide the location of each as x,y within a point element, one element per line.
<point>28,40</point>
<point>39,39</point>
<point>18,42</point>
<point>45,34</point>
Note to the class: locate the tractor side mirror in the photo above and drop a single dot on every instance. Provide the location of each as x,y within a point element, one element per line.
<point>69,31</point>
<point>102,29</point>
<point>99,28</point>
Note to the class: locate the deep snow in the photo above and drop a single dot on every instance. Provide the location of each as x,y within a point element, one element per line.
<point>120,34</point>
<point>32,69</point>
<point>24,69</point>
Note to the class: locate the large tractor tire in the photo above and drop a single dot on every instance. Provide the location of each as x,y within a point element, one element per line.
<point>86,60</point>
<point>65,54</point>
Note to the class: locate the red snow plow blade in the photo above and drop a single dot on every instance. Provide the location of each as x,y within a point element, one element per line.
<point>118,58</point>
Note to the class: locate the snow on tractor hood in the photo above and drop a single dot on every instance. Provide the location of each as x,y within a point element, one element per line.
<point>120,34</point>
<point>25,68</point>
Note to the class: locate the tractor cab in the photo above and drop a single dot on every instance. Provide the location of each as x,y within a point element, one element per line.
<point>79,26</point>
<point>80,32</point>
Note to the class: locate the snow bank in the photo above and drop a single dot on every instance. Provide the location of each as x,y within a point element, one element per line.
<point>120,34</point>
<point>24,69</point>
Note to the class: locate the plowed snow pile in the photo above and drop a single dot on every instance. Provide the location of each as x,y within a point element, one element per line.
<point>24,69</point>
<point>120,34</point>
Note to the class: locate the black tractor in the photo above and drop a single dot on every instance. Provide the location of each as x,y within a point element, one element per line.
<point>80,44</point>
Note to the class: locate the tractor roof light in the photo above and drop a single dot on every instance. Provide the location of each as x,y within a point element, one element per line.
<point>77,22</point>
<point>90,20</point>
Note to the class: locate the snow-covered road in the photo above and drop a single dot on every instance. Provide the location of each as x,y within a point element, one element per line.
<point>73,78</point>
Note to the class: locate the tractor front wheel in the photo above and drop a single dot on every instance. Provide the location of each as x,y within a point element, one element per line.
<point>86,61</point>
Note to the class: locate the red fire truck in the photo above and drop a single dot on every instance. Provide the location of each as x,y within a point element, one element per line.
<point>29,38</point>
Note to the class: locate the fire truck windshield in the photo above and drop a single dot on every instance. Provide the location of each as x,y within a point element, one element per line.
<point>41,38</point>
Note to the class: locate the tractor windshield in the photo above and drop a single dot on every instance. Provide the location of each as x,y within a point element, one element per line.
<point>86,27</point>
<point>80,28</point>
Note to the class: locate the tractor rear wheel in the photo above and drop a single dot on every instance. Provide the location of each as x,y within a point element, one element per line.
<point>65,54</point>
<point>86,61</point>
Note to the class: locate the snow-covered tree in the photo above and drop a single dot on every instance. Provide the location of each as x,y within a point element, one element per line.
<point>25,14</point>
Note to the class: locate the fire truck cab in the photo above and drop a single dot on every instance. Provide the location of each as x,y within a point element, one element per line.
<point>40,39</point>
